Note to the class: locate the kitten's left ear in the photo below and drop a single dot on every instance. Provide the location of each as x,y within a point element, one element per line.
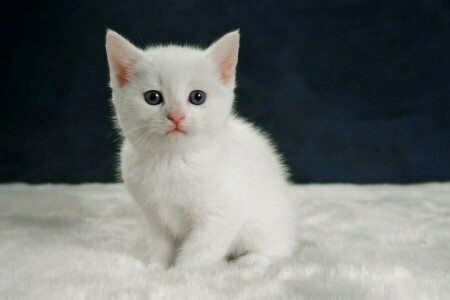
<point>224,53</point>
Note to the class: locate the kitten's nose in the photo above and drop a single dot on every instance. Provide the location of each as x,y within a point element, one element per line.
<point>175,117</point>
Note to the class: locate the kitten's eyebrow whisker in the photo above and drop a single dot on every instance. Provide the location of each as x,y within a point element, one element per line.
<point>137,31</point>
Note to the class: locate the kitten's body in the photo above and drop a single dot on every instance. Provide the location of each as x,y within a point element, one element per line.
<point>217,189</point>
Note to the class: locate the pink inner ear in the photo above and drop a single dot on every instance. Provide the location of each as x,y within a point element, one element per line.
<point>121,72</point>
<point>226,70</point>
<point>121,56</point>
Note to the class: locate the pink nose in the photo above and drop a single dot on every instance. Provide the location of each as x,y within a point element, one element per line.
<point>175,117</point>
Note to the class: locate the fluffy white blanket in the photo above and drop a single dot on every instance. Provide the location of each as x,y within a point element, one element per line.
<point>354,242</point>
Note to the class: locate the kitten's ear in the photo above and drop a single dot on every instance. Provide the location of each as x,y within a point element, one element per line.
<point>224,53</point>
<point>121,56</point>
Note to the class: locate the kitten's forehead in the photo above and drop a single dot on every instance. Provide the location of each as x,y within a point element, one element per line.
<point>175,58</point>
<point>175,71</point>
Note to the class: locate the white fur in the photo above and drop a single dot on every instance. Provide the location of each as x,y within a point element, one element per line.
<point>217,190</point>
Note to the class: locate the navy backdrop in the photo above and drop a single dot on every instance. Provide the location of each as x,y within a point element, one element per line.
<point>350,90</point>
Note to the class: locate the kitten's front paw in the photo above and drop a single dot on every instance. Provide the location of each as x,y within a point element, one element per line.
<point>253,260</point>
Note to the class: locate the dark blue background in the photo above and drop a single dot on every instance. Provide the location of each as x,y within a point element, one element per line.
<point>351,90</point>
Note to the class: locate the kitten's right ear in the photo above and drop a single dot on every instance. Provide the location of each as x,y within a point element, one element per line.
<point>224,53</point>
<point>121,56</point>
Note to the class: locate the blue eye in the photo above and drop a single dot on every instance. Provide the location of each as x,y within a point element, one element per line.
<point>153,97</point>
<point>197,97</point>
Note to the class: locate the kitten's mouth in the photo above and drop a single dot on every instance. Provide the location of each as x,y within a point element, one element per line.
<point>176,130</point>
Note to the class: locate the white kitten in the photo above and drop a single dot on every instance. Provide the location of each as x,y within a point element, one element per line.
<point>210,184</point>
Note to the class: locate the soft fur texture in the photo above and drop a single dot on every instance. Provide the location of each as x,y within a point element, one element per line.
<point>355,242</point>
<point>214,190</point>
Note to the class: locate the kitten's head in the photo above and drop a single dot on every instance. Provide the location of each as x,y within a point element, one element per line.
<point>170,95</point>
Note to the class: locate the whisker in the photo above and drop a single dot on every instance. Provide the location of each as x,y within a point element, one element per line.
<point>145,134</point>
<point>110,133</point>
<point>120,132</point>
<point>134,129</point>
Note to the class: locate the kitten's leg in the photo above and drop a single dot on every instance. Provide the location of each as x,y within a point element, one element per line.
<point>208,242</point>
<point>265,245</point>
<point>162,252</point>
<point>161,245</point>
